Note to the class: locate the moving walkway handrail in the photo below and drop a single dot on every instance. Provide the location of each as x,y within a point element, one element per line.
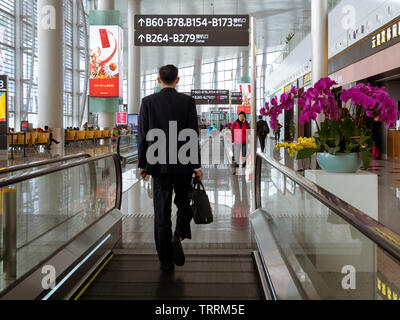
<point>43,163</point>
<point>377,232</point>
<point>42,172</point>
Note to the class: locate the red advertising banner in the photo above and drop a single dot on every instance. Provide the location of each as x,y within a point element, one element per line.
<point>106,61</point>
<point>245,109</point>
<point>122,118</point>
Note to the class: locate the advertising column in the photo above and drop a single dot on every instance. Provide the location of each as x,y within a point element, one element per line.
<point>3,117</point>
<point>106,65</point>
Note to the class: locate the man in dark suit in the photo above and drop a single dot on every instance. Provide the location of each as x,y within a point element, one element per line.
<point>166,112</point>
<point>262,132</point>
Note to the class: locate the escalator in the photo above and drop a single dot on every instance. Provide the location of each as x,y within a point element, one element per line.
<point>204,277</point>
<point>304,244</point>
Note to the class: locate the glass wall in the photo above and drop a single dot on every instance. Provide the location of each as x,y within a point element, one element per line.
<point>19,58</point>
<point>221,74</point>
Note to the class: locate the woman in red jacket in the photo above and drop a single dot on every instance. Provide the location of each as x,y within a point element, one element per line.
<point>239,140</point>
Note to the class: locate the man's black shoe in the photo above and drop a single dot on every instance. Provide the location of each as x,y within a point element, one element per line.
<point>179,255</point>
<point>167,268</point>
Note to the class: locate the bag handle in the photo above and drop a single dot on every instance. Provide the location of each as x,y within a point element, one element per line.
<point>196,184</point>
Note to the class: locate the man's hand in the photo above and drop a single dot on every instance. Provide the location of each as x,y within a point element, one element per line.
<point>143,174</point>
<point>199,174</point>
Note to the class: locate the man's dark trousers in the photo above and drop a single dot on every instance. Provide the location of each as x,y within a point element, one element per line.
<point>262,142</point>
<point>163,187</point>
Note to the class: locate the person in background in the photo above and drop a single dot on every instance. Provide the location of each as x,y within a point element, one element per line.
<point>277,132</point>
<point>262,131</point>
<point>46,130</point>
<point>239,140</point>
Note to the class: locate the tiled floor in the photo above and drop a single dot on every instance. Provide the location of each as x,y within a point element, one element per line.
<point>229,196</point>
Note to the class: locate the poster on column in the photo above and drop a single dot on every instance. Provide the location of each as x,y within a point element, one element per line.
<point>106,61</point>
<point>245,89</point>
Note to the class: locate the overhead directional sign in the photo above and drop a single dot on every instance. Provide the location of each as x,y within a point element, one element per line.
<point>192,39</point>
<point>192,30</point>
<point>237,98</point>
<point>193,22</point>
<point>211,96</point>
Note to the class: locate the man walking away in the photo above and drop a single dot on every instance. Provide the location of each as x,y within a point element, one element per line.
<point>277,132</point>
<point>262,132</point>
<point>157,112</point>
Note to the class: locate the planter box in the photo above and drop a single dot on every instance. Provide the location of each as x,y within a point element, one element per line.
<point>359,189</point>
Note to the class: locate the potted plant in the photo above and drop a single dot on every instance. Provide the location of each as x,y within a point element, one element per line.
<point>343,139</point>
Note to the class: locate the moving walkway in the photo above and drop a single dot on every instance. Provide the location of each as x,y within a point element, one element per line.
<point>308,244</point>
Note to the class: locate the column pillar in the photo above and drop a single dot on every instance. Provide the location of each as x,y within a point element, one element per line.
<point>133,60</point>
<point>105,5</point>
<point>245,65</point>
<point>106,119</point>
<point>197,80</point>
<point>319,30</point>
<point>51,67</point>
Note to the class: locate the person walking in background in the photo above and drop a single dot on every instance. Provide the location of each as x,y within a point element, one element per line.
<point>277,132</point>
<point>262,132</point>
<point>51,140</point>
<point>157,112</point>
<point>239,140</point>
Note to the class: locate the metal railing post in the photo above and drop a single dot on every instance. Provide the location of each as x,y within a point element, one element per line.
<point>9,197</point>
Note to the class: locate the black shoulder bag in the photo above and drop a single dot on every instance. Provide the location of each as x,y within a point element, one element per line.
<point>201,208</point>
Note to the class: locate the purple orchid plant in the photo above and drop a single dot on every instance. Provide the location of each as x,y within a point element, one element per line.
<point>286,103</point>
<point>344,130</point>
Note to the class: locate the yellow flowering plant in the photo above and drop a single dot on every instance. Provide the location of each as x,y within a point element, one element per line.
<point>305,148</point>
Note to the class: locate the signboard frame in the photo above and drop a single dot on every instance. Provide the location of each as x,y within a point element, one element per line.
<point>192,30</point>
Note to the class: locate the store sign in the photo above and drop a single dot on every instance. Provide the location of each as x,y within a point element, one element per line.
<point>387,35</point>
<point>290,86</point>
<point>106,61</point>
<point>122,118</point>
<point>307,78</point>
<point>379,40</point>
<point>210,97</point>
<point>3,98</point>
<point>192,30</point>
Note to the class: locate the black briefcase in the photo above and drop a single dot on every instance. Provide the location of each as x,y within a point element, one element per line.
<point>201,208</point>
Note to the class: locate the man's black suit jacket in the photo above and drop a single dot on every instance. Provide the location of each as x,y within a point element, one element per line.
<point>157,111</point>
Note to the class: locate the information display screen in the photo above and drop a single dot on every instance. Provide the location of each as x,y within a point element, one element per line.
<point>24,126</point>
<point>133,123</point>
<point>106,61</point>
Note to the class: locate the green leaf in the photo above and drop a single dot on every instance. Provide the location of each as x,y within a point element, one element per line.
<point>305,153</point>
<point>365,156</point>
<point>334,150</point>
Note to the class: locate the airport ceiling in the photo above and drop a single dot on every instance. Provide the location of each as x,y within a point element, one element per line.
<point>275,20</point>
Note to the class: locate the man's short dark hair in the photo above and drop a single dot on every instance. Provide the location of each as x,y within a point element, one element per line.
<point>168,74</point>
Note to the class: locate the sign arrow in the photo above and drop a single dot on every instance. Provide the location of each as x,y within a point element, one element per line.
<point>141,37</point>
<point>141,21</point>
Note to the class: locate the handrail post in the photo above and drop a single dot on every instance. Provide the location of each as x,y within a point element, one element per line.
<point>24,144</point>
<point>9,203</point>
